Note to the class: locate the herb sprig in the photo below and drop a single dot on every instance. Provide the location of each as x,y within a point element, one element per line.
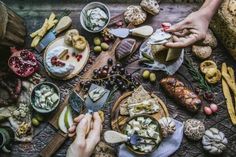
<point>197,76</point>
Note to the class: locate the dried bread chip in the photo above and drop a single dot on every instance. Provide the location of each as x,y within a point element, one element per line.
<point>212,79</point>
<point>206,65</point>
<point>139,95</point>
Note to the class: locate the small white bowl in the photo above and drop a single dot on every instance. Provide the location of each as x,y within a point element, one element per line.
<point>91,6</point>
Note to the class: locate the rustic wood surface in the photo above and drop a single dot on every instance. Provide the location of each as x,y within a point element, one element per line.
<point>34,13</point>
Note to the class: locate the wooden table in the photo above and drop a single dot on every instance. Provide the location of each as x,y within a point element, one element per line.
<point>34,12</point>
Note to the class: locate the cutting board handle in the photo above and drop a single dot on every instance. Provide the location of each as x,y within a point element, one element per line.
<point>63,24</point>
<point>57,140</point>
<point>143,31</point>
<point>115,137</point>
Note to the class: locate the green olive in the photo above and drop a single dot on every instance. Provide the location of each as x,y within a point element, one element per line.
<point>35,122</point>
<point>104,46</point>
<point>97,41</point>
<point>39,117</point>
<point>146,74</point>
<point>152,77</point>
<point>97,49</point>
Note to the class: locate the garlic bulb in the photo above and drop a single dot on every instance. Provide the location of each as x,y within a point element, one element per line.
<point>194,129</point>
<point>167,126</point>
<point>214,141</point>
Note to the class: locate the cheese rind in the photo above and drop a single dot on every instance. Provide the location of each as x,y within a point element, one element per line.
<point>58,71</point>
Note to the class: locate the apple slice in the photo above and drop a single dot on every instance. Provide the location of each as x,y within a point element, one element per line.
<point>61,121</point>
<point>68,118</point>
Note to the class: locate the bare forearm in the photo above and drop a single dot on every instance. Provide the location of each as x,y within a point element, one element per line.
<point>210,7</point>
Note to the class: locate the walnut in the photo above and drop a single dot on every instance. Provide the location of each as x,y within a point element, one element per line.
<point>150,6</point>
<point>135,15</point>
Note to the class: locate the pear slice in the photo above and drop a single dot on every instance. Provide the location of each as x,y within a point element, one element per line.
<point>61,121</point>
<point>68,118</point>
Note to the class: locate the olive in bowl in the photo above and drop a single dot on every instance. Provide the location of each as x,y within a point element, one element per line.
<point>45,97</point>
<point>144,126</point>
<point>94,17</point>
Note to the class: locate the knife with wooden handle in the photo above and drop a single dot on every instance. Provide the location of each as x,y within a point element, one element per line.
<point>63,24</point>
<point>115,137</point>
<point>143,31</point>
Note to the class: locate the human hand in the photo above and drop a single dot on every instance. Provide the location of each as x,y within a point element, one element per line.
<point>83,145</point>
<point>192,29</point>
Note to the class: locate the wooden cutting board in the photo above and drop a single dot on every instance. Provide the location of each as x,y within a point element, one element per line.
<point>59,138</point>
<point>72,60</point>
<point>118,121</point>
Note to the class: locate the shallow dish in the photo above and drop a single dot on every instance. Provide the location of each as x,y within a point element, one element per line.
<point>93,5</point>
<point>32,97</point>
<point>154,121</point>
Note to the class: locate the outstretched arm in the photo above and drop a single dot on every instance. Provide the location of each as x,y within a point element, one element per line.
<point>194,27</point>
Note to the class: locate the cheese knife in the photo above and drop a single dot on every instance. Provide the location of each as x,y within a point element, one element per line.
<point>92,105</point>
<point>63,24</point>
<point>143,31</point>
<point>114,137</point>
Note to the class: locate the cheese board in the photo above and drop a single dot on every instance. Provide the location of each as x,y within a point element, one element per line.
<point>118,121</point>
<point>78,65</point>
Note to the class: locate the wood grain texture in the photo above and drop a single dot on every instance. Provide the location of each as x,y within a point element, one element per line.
<point>34,12</point>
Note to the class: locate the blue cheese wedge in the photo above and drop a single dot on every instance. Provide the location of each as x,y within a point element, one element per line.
<point>97,93</point>
<point>97,19</point>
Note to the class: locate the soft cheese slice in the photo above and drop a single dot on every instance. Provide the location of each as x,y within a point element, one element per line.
<point>172,54</point>
<point>57,70</point>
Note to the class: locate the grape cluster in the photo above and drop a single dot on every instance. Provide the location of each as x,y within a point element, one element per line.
<point>111,75</point>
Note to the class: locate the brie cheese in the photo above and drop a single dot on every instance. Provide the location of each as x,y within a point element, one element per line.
<point>58,71</point>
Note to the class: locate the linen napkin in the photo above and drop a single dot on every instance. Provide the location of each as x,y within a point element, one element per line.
<point>167,147</point>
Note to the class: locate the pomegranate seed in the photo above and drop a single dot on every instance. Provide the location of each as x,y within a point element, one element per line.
<point>120,23</point>
<point>67,57</point>
<point>106,39</point>
<point>78,59</point>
